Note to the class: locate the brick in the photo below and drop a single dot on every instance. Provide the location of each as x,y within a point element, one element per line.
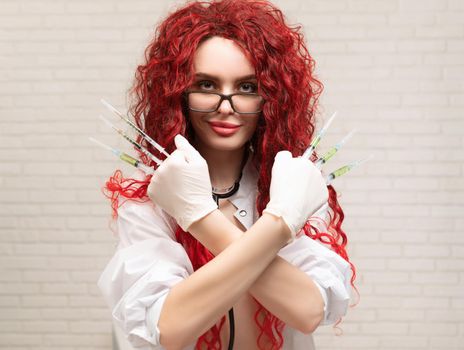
<point>65,209</point>
<point>18,288</point>
<point>385,278</point>
<point>63,314</point>
<point>401,237</point>
<point>440,197</point>
<point>372,6</point>
<point>393,314</point>
<point>411,265</point>
<point>85,276</point>
<point>457,303</point>
<point>421,6</point>
<point>447,211</point>
<point>112,35</point>
<point>44,301</point>
<point>448,342</point>
<point>406,211</point>
<point>36,249</point>
<point>443,59</point>
<point>9,8</point>
<point>457,100</point>
<point>94,340</point>
<point>445,315</point>
<point>436,329</point>
<point>389,328</point>
<point>10,276</point>
<point>453,72</point>
<point>403,342</point>
<point>455,45</point>
<point>450,265</point>
<point>372,250</point>
<point>47,168</point>
<point>89,7</point>
<point>450,236</point>
<point>339,32</point>
<point>458,251</point>
<point>87,327</point>
<point>102,313</point>
<point>84,301</point>
<point>422,46</point>
<point>435,278</point>
<point>371,46</point>
<point>426,251</point>
<point>10,301</point>
<point>416,184</point>
<point>20,339</point>
<point>443,291</point>
<point>85,249</point>
<point>19,314</point>
<point>423,99</point>
<point>59,236</point>
<point>45,327</point>
<point>424,303</point>
<point>69,288</point>
<point>10,327</point>
<point>413,17</point>
<point>442,31</point>
<point>325,6</point>
<point>366,19</point>
<point>45,276</point>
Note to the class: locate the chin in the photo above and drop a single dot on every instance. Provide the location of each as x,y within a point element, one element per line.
<point>225,144</point>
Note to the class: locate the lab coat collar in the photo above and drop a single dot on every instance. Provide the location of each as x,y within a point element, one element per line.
<point>245,198</point>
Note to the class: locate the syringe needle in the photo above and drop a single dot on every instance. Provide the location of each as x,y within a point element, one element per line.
<point>125,157</point>
<point>141,132</point>
<point>318,138</point>
<point>133,142</point>
<point>344,169</point>
<point>331,152</point>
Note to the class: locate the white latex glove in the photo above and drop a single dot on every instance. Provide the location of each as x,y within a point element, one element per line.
<point>181,185</point>
<point>297,191</point>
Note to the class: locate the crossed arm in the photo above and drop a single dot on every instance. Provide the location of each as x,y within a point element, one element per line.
<point>243,263</point>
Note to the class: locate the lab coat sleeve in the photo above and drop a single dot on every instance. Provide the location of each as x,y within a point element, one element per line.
<point>147,263</point>
<point>330,272</point>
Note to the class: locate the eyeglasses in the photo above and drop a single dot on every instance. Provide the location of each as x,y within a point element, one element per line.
<point>206,102</point>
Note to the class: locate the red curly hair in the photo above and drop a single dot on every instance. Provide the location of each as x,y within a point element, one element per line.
<point>284,71</point>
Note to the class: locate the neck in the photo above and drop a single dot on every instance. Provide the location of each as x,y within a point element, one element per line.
<point>224,166</point>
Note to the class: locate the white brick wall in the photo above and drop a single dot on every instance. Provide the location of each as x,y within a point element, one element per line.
<point>392,68</point>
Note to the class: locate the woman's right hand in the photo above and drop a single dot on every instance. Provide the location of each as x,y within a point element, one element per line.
<point>181,185</point>
<point>297,190</point>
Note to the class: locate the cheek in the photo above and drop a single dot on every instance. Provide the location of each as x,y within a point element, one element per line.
<point>195,122</point>
<point>251,125</point>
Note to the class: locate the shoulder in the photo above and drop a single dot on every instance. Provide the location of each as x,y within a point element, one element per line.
<point>139,220</point>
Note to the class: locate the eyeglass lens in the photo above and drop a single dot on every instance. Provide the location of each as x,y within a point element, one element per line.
<point>209,102</point>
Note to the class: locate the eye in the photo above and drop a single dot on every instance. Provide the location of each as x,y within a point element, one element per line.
<point>205,85</point>
<point>248,88</point>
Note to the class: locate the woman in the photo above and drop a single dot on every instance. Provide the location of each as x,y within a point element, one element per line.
<point>238,83</point>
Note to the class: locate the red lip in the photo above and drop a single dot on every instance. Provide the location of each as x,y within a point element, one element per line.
<point>224,125</point>
<point>224,129</point>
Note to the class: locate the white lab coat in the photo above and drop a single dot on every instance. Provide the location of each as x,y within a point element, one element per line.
<point>148,262</point>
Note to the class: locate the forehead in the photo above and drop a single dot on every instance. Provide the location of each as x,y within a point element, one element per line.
<point>221,57</point>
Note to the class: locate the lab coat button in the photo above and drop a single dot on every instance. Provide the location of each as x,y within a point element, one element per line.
<point>242,213</point>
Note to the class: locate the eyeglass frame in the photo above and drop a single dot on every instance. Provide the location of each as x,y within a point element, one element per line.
<point>223,97</point>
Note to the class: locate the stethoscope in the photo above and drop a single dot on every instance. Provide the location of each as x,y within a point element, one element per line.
<point>216,197</point>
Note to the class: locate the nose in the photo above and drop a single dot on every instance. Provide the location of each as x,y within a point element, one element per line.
<point>225,107</point>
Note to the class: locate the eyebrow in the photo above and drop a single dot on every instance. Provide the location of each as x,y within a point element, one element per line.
<point>212,77</point>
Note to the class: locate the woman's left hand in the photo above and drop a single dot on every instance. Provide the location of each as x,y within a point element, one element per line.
<point>181,185</point>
